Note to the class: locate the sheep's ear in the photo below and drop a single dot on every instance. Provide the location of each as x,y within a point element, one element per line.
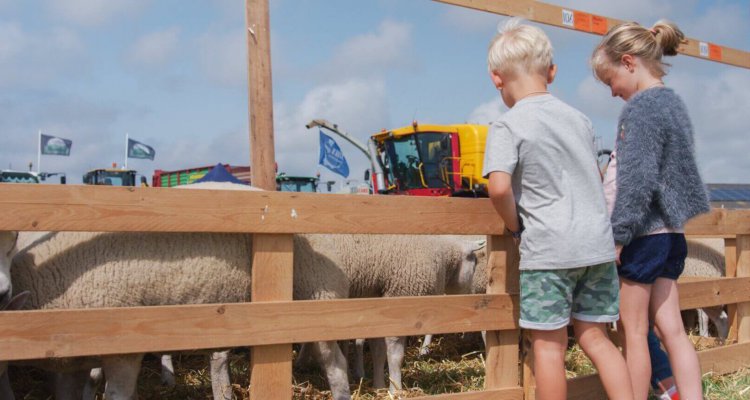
<point>479,244</point>
<point>18,301</point>
<point>8,241</point>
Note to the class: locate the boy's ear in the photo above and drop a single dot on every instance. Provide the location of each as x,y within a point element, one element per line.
<point>551,73</point>
<point>496,80</point>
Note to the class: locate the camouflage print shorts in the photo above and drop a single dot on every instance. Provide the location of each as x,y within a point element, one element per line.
<point>550,297</point>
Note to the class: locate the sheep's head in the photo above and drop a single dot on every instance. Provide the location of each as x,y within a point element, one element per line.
<point>461,280</point>
<point>7,251</point>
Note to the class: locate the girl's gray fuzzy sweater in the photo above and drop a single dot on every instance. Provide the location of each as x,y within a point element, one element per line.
<point>658,184</point>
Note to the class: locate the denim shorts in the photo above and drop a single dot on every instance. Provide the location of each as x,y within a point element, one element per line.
<point>654,256</point>
<point>549,298</point>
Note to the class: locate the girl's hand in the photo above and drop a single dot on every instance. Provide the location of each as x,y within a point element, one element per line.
<point>618,250</point>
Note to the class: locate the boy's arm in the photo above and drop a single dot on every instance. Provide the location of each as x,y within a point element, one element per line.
<point>501,194</point>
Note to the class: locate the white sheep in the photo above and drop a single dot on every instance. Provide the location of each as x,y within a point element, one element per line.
<point>706,259</point>
<point>7,250</point>
<point>398,265</point>
<point>83,270</point>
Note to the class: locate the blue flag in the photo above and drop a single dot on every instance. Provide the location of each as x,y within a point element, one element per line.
<point>137,149</point>
<point>55,146</point>
<point>331,156</point>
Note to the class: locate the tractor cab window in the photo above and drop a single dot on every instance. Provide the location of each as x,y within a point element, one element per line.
<point>421,160</point>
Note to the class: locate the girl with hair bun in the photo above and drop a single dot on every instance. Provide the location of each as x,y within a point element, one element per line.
<point>652,188</point>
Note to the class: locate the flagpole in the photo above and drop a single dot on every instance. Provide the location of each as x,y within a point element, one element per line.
<point>39,154</point>
<point>127,139</point>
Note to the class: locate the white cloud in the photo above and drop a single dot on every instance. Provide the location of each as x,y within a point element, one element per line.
<point>154,49</point>
<point>488,112</point>
<point>223,57</point>
<point>725,24</point>
<point>372,53</point>
<point>92,13</point>
<point>358,106</point>
<point>595,98</point>
<point>718,107</point>
<point>34,59</point>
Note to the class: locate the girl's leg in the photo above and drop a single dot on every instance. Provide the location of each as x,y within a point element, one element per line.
<point>608,361</point>
<point>634,306</point>
<point>549,363</point>
<point>665,308</point>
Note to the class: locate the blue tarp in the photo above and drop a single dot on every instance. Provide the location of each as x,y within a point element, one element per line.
<point>219,174</point>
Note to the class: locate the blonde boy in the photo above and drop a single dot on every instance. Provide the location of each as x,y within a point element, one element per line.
<point>544,183</point>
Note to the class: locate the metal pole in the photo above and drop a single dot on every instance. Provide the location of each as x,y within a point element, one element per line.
<point>39,154</point>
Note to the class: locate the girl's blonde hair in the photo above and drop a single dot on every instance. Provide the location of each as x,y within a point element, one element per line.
<point>520,48</point>
<point>663,39</point>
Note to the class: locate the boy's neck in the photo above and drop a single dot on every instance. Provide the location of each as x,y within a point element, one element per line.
<point>522,87</point>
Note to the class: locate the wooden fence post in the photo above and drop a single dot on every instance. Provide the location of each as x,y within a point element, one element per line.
<point>272,280</point>
<point>743,270</point>
<point>502,364</point>
<point>260,94</point>
<point>730,257</point>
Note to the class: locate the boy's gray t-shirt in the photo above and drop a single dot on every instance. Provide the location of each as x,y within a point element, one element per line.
<point>548,148</point>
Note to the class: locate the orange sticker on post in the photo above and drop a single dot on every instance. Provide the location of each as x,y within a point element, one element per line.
<point>582,21</point>
<point>714,52</point>
<point>599,25</point>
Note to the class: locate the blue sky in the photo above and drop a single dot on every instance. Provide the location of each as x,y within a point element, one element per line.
<point>172,74</point>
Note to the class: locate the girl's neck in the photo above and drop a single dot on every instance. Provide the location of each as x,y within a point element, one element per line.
<point>649,83</point>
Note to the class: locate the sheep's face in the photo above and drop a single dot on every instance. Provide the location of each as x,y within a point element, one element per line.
<point>7,250</point>
<point>461,282</point>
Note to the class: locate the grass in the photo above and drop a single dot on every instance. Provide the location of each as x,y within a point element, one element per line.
<point>456,364</point>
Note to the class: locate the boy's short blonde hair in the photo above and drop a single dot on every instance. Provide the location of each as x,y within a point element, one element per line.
<point>520,48</point>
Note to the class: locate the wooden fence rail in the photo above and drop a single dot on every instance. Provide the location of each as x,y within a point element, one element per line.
<point>272,322</point>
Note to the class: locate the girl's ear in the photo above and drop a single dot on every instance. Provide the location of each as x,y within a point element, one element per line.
<point>551,73</point>
<point>629,62</point>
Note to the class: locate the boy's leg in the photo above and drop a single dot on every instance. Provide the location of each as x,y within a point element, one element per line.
<point>665,308</point>
<point>546,297</point>
<point>593,339</point>
<point>549,363</point>
<point>634,305</point>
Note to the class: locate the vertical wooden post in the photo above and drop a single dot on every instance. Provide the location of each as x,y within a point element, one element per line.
<point>502,366</point>
<point>730,257</point>
<point>743,270</point>
<point>271,366</point>
<point>260,95</point>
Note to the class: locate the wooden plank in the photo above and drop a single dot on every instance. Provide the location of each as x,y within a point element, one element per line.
<point>502,364</point>
<point>743,270</point>
<point>134,209</point>
<point>569,18</point>
<point>730,261</point>
<point>67,333</point>
<point>108,209</point>
<point>513,393</point>
<point>260,94</point>
<point>586,388</point>
<point>713,292</point>
<point>726,359</point>
<point>720,222</point>
<point>272,280</point>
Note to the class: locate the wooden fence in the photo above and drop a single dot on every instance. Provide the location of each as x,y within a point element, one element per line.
<point>272,321</point>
